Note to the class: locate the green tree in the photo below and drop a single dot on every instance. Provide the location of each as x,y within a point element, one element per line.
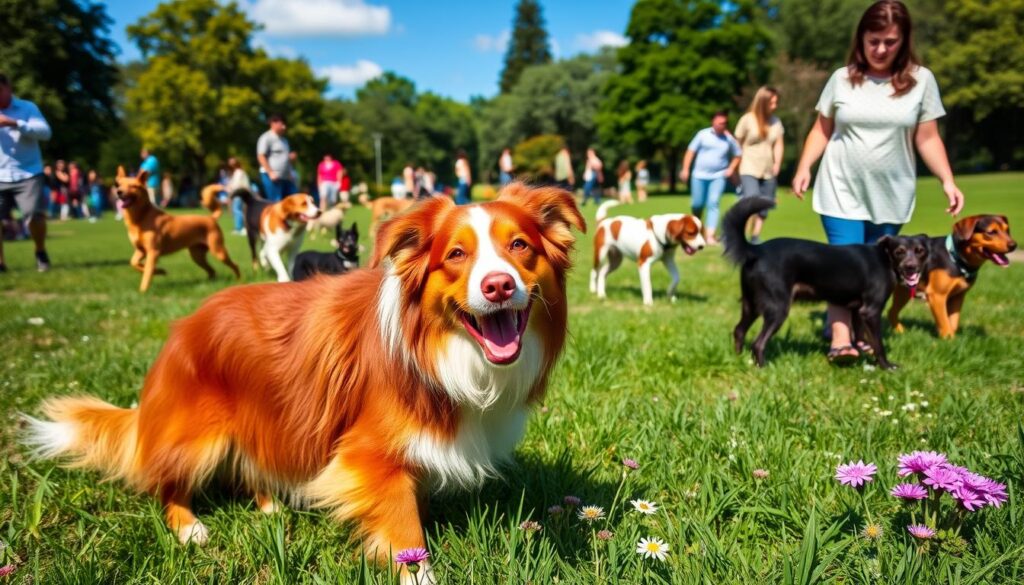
<point>685,59</point>
<point>561,98</point>
<point>58,55</point>
<point>979,64</point>
<point>204,91</point>
<point>535,157</point>
<point>528,45</point>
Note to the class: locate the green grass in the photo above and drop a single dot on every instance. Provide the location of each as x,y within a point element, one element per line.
<point>660,385</point>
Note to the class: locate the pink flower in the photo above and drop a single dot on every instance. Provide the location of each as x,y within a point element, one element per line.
<point>919,461</point>
<point>530,526</point>
<point>412,556</point>
<point>920,531</point>
<point>760,474</point>
<point>856,474</point>
<point>942,477</point>
<point>909,491</point>
<point>604,535</point>
<point>7,570</point>
<point>631,463</point>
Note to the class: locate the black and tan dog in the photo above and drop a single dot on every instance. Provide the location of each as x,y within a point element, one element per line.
<point>952,268</point>
<point>859,277</point>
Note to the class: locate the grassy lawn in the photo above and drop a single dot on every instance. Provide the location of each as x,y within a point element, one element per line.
<point>659,385</point>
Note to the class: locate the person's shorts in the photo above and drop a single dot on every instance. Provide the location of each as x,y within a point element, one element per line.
<point>27,195</point>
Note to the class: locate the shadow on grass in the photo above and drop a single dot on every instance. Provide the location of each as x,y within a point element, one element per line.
<point>634,292</point>
<point>928,326</point>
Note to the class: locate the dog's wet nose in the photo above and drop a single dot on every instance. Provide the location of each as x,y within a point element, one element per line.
<point>1013,245</point>
<point>700,247</point>
<point>498,287</point>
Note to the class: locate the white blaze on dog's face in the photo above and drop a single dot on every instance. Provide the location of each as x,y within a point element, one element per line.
<point>300,206</point>
<point>480,272</point>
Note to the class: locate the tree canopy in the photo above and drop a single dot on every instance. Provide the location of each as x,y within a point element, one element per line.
<point>528,44</point>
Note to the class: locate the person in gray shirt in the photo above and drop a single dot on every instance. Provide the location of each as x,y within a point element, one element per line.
<point>272,152</point>
<point>22,127</point>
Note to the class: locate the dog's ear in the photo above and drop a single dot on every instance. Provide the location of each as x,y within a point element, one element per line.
<point>555,212</point>
<point>355,230</point>
<point>963,229</point>
<point>886,242</point>
<point>120,172</point>
<point>142,176</point>
<point>404,237</point>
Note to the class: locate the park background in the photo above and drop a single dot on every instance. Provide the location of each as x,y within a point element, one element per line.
<point>660,385</point>
<point>193,80</point>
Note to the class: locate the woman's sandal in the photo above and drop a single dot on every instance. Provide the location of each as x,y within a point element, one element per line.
<point>843,355</point>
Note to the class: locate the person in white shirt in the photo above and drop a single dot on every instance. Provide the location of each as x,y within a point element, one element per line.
<point>871,115</point>
<point>22,128</point>
<point>593,177</point>
<point>505,167</point>
<point>237,179</point>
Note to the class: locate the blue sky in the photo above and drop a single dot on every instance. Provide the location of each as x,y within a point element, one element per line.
<point>453,48</point>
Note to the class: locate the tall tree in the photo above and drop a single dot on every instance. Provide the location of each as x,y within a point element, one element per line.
<point>58,55</point>
<point>685,59</point>
<point>528,45</point>
<point>560,98</point>
<point>205,90</point>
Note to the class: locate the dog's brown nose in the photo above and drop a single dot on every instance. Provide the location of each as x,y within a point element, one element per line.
<point>498,287</point>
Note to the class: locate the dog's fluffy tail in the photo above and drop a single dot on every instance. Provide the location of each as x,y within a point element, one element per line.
<point>737,248</point>
<point>209,199</point>
<point>89,432</point>
<point>244,194</point>
<point>602,210</point>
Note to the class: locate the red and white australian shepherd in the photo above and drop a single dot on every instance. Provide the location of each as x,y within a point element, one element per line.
<point>644,240</point>
<point>370,389</point>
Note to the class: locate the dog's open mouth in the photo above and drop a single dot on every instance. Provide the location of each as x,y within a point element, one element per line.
<point>500,334</point>
<point>999,259</point>
<point>912,279</point>
<point>128,200</point>
<point>690,250</point>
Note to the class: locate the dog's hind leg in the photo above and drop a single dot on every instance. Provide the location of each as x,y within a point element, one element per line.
<point>774,317</point>
<point>868,320</point>
<point>747,318</point>
<point>215,241</point>
<point>198,253</point>
<point>900,298</point>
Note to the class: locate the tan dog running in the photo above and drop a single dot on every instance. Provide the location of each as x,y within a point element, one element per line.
<point>382,208</point>
<point>154,232</point>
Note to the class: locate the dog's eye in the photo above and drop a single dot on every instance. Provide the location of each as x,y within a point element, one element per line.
<point>518,245</point>
<point>456,254</point>
<point>900,252</point>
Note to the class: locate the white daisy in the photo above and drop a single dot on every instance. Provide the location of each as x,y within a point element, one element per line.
<point>644,507</point>
<point>591,513</point>
<point>652,547</point>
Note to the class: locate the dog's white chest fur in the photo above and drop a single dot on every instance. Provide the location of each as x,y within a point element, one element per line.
<point>492,418</point>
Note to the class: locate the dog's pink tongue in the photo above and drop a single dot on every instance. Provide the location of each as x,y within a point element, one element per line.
<point>500,334</point>
<point>1001,260</point>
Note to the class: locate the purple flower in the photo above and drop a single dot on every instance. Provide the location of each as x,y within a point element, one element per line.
<point>631,463</point>
<point>412,556</point>
<point>988,490</point>
<point>571,501</point>
<point>994,493</point>
<point>856,474</point>
<point>909,491</point>
<point>555,510</point>
<point>942,477</point>
<point>968,498</point>
<point>919,461</point>
<point>760,474</point>
<point>920,531</point>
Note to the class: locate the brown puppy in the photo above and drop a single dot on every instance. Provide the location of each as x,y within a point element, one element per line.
<point>154,232</point>
<point>382,208</point>
<point>952,268</point>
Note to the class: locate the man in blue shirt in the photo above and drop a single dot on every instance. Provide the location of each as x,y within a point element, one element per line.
<point>151,165</point>
<point>717,155</point>
<point>22,127</point>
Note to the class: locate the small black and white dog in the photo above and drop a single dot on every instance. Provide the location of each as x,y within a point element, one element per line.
<point>859,277</point>
<point>345,258</point>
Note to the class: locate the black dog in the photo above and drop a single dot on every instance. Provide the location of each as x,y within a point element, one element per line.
<point>254,206</point>
<point>859,277</point>
<point>345,258</point>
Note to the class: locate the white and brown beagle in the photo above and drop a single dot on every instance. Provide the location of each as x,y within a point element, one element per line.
<point>644,240</point>
<point>282,228</point>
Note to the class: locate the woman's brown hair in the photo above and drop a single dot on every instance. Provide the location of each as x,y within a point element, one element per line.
<point>759,108</point>
<point>880,16</point>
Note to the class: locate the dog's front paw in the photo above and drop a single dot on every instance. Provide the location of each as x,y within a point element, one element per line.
<point>672,299</point>
<point>195,533</point>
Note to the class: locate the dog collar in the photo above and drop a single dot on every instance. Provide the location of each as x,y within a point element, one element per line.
<point>971,274</point>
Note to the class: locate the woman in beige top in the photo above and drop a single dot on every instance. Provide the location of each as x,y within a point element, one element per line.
<point>760,136</point>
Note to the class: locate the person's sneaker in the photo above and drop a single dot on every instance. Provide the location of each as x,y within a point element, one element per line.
<point>42,261</point>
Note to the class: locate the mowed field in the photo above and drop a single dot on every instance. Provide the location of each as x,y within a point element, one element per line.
<point>660,385</point>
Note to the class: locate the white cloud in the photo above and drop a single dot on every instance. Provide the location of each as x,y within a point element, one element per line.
<point>351,75</point>
<point>599,38</point>
<point>349,18</point>
<point>492,43</point>
<point>275,50</point>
